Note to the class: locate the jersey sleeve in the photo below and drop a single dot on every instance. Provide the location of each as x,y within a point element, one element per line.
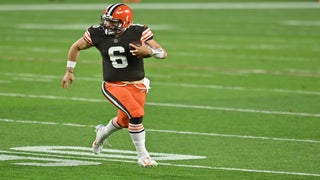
<point>146,34</point>
<point>87,37</point>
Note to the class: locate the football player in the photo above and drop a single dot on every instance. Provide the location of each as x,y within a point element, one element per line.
<point>122,45</point>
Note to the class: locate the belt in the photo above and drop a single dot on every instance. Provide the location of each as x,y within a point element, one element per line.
<point>133,82</point>
<point>126,82</point>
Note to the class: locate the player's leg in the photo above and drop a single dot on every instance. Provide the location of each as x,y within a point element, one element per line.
<point>130,100</point>
<point>138,136</point>
<point>126,98</point>
<point>137,131</point>
<point>102,133</point>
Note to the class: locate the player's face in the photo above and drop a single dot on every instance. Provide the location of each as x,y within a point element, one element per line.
<point>112,25</point>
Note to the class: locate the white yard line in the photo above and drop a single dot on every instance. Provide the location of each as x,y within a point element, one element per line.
<point>168,105</point>
<point>233,136</point>
<point>83,26</point>
<point>94,159</point>
<point>168,131</point>
<point>164,6</point>
<point>233,109</point>
<point>214,108</point>
<point>50,78</point>
<point>4,81</point>
<point>237,88</point>
<point>301,23</point>
<point>243,170</point>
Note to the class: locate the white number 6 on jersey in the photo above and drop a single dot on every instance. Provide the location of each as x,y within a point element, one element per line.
<point>118,61</point>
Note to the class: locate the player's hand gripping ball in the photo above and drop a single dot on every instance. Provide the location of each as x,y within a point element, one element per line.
<point>140,49</point>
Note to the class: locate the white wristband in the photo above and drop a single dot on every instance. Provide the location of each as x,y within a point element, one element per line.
<point>71,64</point>
<point>157,52</point>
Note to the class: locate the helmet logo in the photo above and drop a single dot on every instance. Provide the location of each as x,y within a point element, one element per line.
<point>119,12</point>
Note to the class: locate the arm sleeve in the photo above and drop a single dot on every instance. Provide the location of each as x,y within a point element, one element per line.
<point>87,37</point>
<point>146,34</point>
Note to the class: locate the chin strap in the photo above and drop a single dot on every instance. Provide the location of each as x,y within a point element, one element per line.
<point>108,32</point>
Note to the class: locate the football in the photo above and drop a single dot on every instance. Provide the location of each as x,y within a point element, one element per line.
<point>138,43</point>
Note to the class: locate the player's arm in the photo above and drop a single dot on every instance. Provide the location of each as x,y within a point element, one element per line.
<point>148,49</point>
<point>73,55</point>
<point>156,50</point>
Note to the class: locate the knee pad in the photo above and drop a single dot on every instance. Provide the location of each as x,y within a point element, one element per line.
<point>136,120</point>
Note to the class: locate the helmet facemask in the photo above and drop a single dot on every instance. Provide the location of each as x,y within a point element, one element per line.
<point>111,26</point>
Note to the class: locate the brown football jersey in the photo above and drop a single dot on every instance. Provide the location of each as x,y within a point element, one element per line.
<point>117,61</point>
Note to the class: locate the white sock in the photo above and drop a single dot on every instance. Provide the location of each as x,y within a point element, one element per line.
<point>138,139</point>
<point>111,127</point>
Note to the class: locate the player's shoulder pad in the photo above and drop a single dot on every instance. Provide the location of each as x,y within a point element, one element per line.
<point>139,26</point>
<point>95,28</point>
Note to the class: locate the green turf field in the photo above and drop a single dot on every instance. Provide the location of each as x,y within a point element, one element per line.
<point>237,98</point>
